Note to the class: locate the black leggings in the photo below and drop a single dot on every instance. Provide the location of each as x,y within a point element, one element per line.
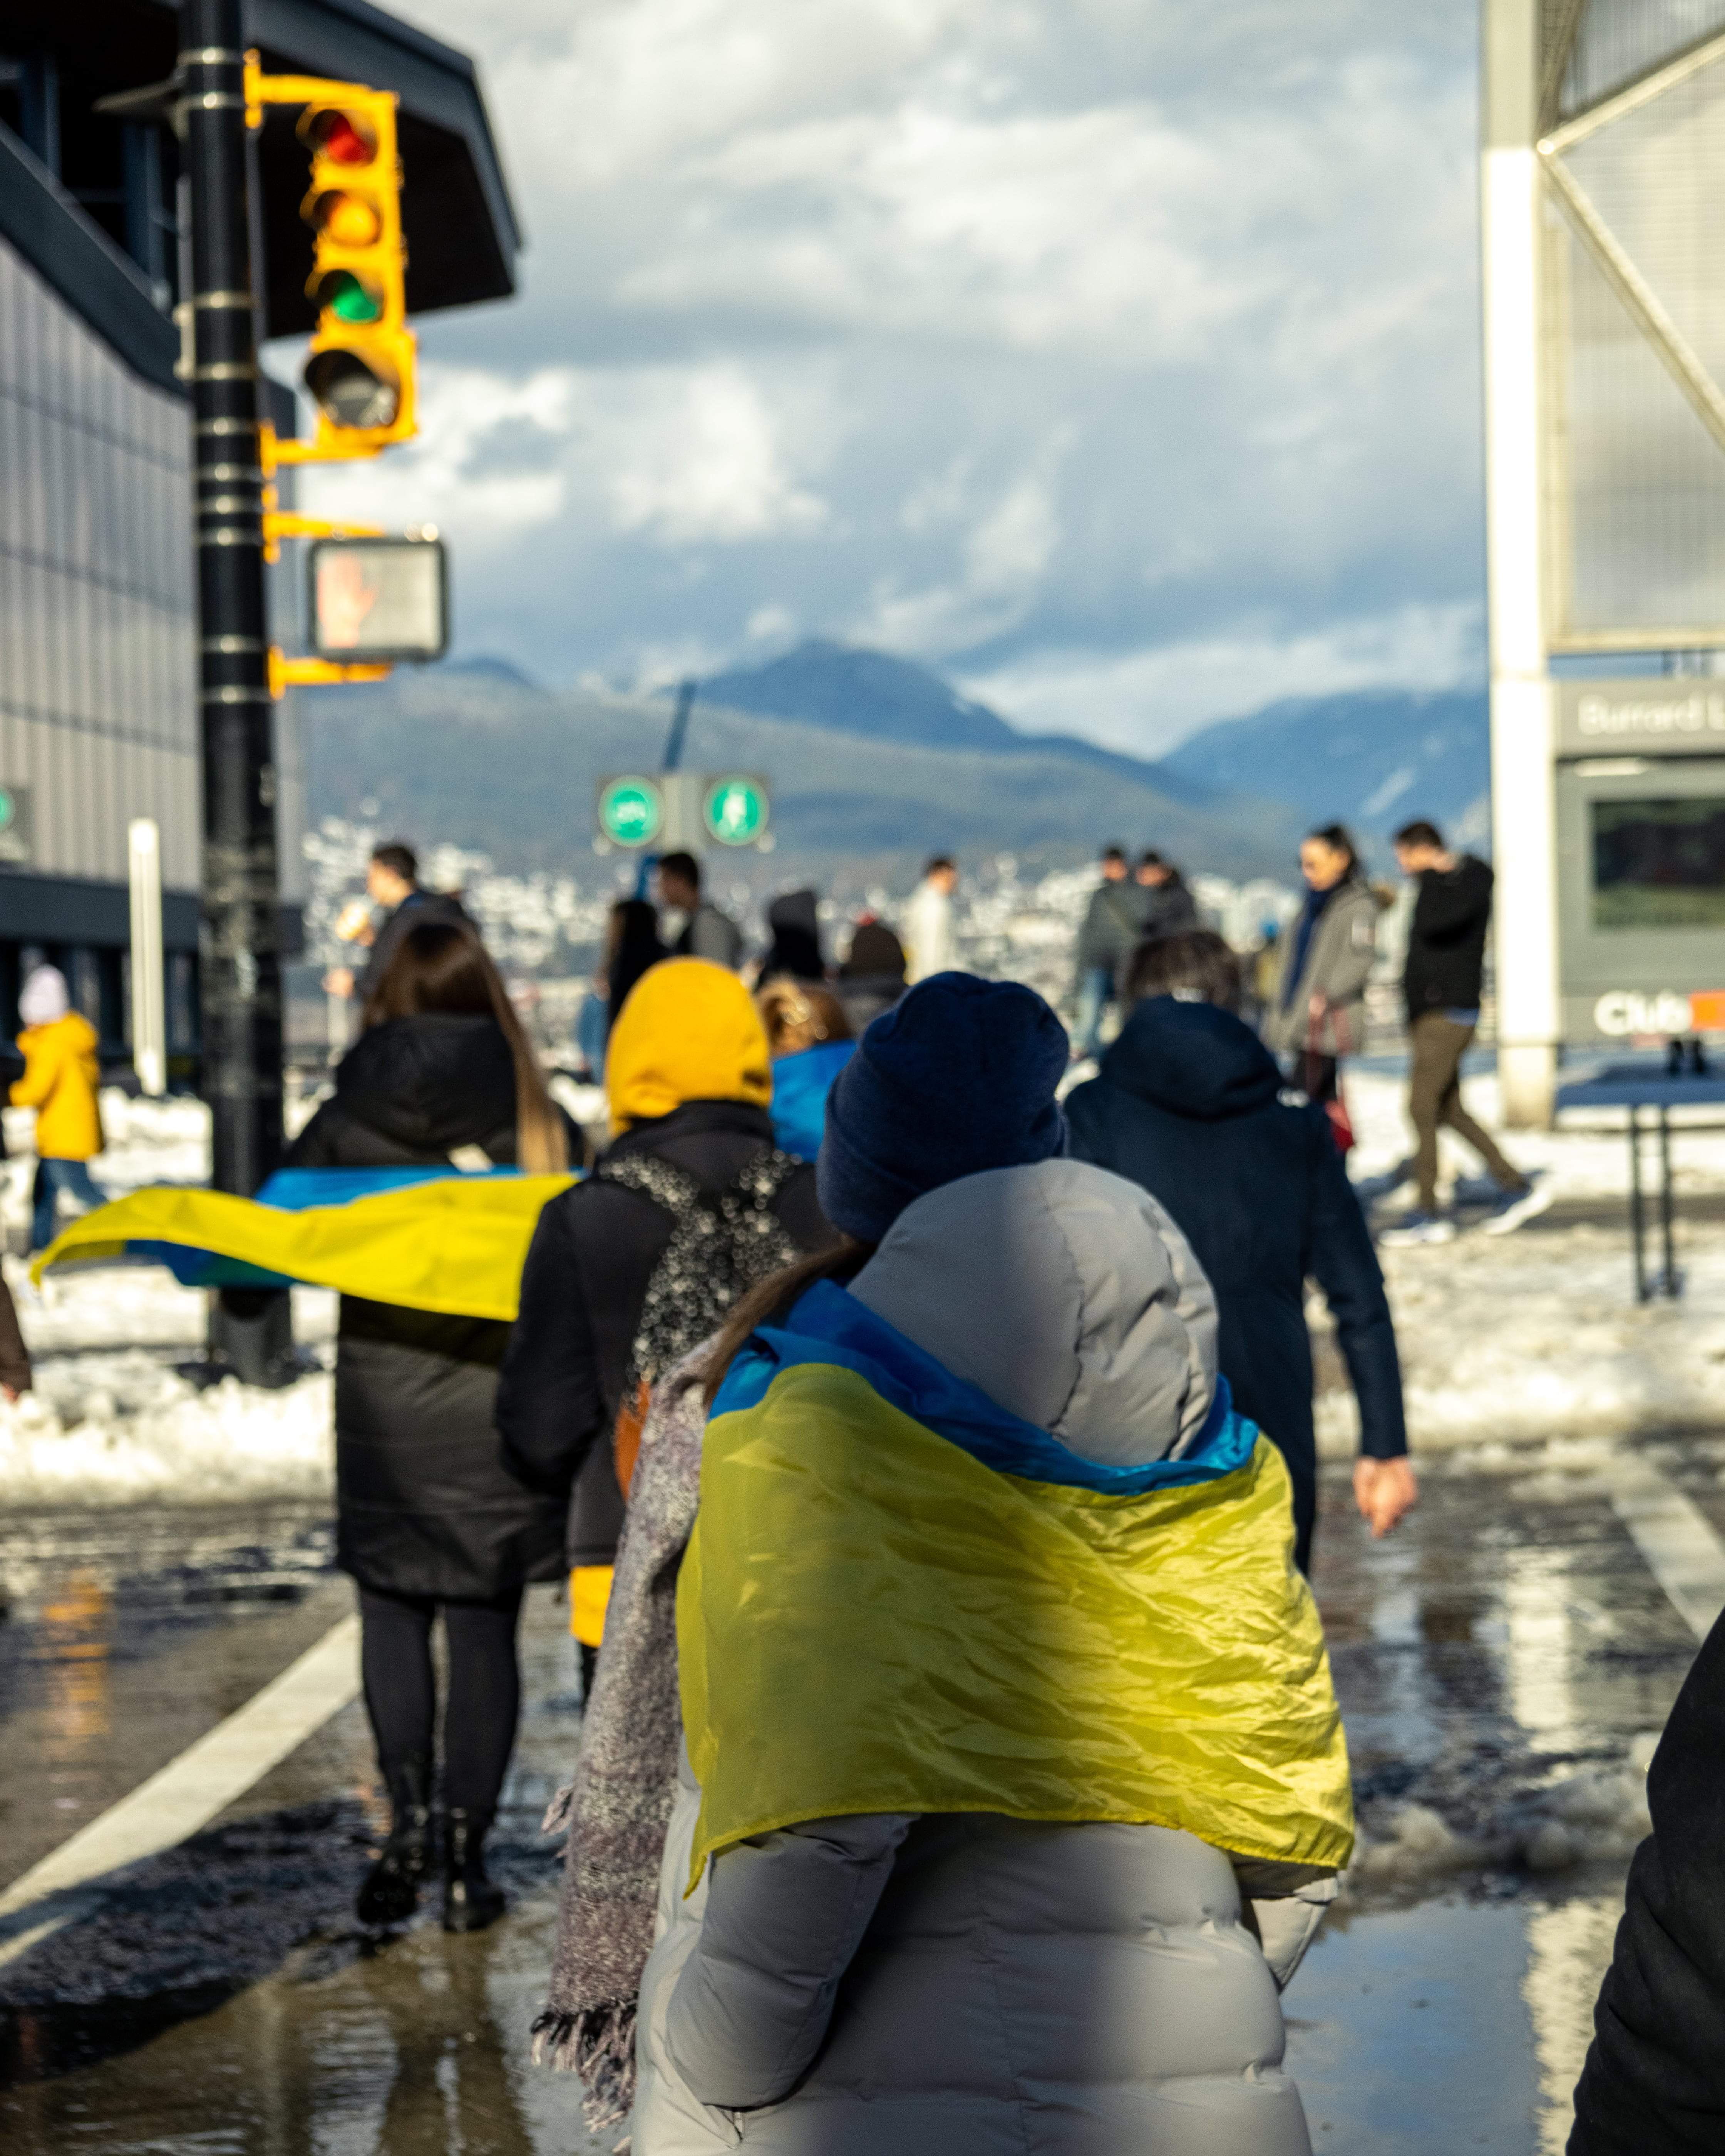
<point>485,1688</point>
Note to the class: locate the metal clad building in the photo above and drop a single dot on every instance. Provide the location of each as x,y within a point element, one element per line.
<point>99,716</point>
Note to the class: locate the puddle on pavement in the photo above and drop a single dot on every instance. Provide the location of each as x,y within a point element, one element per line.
<point>1497,1661</point>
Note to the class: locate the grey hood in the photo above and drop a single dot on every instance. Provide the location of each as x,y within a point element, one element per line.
<point>1065,1293</point>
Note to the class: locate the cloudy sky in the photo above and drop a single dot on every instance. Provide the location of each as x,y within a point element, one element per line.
<point>1117,357</point>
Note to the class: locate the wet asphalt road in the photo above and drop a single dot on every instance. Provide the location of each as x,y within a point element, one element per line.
<point>1498,1661</point>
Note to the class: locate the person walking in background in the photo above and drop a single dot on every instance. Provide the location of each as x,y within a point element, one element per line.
<point>707,932</point>
<point>692,1203</point>
<point>61,1080</point>
<point>1445,976</point>
<point>809,1036</point>
<point>1189,1105</point>
<point>929,929</point>
<point>429,1519</point>
<point>794,918</point>
<point>872,977</point>
<point>1168,906</point>
<point>391,883</point>
<point>1111,923</point>
<point>633,947</point>
<point>1316,1012</point>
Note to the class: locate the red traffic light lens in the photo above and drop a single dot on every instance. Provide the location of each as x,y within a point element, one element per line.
<point>350,393</point>
<point>337,137</point>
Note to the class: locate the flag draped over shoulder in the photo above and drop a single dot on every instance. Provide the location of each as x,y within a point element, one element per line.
<point>424,1238</point>
<point>899,1598</point>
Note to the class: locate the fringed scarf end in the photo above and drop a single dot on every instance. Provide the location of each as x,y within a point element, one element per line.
<point>598,2044</point>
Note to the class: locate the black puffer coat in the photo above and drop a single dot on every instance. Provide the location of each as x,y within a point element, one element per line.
<point>1654,2084</point>
<point>586,1279</point>
<point>426,1505</point>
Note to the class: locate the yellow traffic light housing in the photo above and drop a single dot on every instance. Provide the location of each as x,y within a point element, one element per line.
<point>360,371</point>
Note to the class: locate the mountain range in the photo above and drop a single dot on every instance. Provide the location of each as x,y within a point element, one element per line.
<point>874,763</point>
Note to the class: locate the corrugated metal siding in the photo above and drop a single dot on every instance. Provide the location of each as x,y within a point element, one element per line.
<point>98,689</point>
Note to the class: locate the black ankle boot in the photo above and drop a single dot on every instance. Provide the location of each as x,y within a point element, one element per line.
<point>470,1900</point>
<point>390,1893</point>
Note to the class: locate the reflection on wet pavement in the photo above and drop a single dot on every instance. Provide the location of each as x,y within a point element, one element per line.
<point>1503,1663</point>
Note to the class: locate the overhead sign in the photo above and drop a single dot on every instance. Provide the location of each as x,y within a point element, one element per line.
<point>17,839</point>
<point>735,808</point>
<point>631,811</point>
<point>377,600</point>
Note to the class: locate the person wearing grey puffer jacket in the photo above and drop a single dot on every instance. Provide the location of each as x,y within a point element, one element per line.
<point>958,1687</point>
<point>972,1982</point>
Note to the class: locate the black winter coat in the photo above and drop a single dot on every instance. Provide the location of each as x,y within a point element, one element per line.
<point>1654,2084</point>
<point>586,1279</point>
<point>425,1504</point>
<point>1189,1105</point>
<point>1446,938</point>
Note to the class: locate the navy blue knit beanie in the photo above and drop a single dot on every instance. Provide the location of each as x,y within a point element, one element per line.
<point>958,1077</point>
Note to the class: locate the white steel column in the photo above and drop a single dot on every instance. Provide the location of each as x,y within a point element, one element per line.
<point>149,1009</point>
<point>1523,815</point>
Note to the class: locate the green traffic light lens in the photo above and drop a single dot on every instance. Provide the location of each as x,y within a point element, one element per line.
<point>349,300</point>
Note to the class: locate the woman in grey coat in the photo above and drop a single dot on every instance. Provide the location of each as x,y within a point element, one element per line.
<point>1317,1014</point>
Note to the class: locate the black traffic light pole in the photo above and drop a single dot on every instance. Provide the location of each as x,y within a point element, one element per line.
<point>240,964</point>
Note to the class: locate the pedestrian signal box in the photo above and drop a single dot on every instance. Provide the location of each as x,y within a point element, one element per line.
<point>683,811</point>
<point>372,601</point>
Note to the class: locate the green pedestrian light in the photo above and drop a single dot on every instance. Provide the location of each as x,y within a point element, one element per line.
<point>631,811</point>
<point>735,810</point>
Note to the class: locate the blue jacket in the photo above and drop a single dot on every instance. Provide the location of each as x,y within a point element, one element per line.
<point>1189,1105</point>
<point>800,1086</point>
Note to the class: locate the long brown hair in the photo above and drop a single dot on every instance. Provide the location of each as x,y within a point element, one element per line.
<point>442,966</point>
<point>773,1296</point>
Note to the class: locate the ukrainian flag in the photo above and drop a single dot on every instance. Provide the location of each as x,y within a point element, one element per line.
<point>431,1239</point>
<point>899,1598</point>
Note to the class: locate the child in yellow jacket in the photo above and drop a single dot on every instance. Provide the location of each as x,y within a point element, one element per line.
<point>61,1076</point>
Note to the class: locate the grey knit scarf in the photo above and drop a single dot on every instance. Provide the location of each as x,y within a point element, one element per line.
<point>618,1806</point>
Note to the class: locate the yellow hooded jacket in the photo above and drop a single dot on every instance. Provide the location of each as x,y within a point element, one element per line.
<point>61,1075</point>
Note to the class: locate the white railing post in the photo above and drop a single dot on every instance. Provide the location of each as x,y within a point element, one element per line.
<point>149,1009</point>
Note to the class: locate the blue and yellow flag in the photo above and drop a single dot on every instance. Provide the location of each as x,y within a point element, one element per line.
<point>424,1238</point>
<point>899,1598</point>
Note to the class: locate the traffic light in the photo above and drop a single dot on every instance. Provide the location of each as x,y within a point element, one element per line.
<point>360,370</point>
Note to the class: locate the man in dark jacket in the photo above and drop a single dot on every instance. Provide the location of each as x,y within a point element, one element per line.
<point>1167,906</point>
<point>392,883</point>
<point>1189,1105</point>
<point>1654,2084</point>
<point>1445,971</point>
<point>707,932</point>
<point>1111,924</point>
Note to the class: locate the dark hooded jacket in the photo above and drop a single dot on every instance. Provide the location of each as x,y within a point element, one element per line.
<point>1654,2084</point>
<point>1188,1104</point>
<point>795,949</point>
<point>425,1504</point>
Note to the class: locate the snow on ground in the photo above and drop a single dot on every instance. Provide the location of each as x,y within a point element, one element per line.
<point>1538,1335</point>
<point>113,1421</point>
<point>1506,1341</point>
